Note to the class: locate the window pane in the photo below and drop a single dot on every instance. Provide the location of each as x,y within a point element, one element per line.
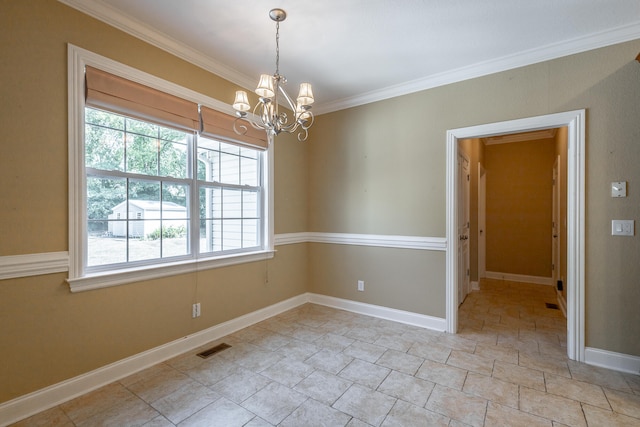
<point>249,152</point>
<point>231,234</point>
<point>232,203</point>
<point>142,154</point>
<point>173,159</point>
<point>103,195</point>
<point>250,236</point>
<point>168,134</point>
<point>102,118</point>
<point>175,237</point>
<point>141,248</point>
<point>208,161</point>
<point>144,194</point>
<point>104,148</point>
<point>142,128</point>
<point>106,248</point>
<point>175,220</point>
<point>175,201</point>
<point>250,204</point>
<point>229,168</point>
<point>230,149</point>
<point>210,235</point>
<point>249,171</point>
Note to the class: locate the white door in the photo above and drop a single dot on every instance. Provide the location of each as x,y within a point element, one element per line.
<point>463,227</point>
<point>482,222</point>
<point>555,223</point>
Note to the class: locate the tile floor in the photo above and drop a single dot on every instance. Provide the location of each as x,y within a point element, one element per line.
<point>317,366</point>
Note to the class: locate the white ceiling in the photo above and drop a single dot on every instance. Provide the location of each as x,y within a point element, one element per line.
<point>359,51</point>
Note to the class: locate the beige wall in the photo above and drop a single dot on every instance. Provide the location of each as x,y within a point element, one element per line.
<point>377,169</point>
<point>519,184</point>
<point>380,168</point>
<point>48,334</point>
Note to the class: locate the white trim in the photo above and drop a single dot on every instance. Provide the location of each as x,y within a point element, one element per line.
<point>562,303</point>
<point>612,360</point>
<point>13,266</point>
<point>142,31</point>
<point>32,403</point>
<point>521,59</point>
<point>378,240</point>
<point>538,280</point>
<point>401,316</point>
<point>291,238</point>
<point>575,122</point>
<point>475,286</point>
<point>48,397</point>
<point>386,241</point>
<point>106,279</point>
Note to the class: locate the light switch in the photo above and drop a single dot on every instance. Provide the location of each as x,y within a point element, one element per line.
<point>619,189</point>
<point>622,227</point>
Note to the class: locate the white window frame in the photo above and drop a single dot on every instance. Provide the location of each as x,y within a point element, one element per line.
<point>79,280</point>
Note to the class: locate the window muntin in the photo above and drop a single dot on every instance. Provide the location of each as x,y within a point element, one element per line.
<point>139,185</point>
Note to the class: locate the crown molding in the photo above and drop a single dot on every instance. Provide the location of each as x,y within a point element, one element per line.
<point>533,56</point>
<point>111,16</point>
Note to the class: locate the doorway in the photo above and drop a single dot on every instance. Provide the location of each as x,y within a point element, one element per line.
<point>575,123</point>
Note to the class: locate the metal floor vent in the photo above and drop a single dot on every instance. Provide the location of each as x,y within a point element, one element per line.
<point>213,350</point>
<point>552,306</point>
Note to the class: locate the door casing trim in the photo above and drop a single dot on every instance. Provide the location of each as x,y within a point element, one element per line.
<point>575,123</point>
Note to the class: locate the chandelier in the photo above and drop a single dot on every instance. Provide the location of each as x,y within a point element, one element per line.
<point>271,93</point>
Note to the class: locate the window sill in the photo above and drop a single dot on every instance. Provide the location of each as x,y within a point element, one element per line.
<point>122,277</point>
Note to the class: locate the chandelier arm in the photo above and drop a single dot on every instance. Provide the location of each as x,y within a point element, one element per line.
<point>310,120</point>
<point>290,103</point>
<point>240,129</point>
<point>306,134</point>
<point>264,115</point>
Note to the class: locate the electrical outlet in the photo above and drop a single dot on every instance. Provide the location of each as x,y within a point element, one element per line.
<point>195,310</point>
<point>361,285</point>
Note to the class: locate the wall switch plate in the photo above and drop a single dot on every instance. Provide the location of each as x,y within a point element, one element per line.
<point>619,189</point>
<point>622,227</point>
<point>361,285</point>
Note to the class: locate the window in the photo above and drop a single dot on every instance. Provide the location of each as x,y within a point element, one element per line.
<point>156,189</point>
<point>137,190</point>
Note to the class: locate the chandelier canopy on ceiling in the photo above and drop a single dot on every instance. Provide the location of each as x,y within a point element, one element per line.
<point>271,93</point>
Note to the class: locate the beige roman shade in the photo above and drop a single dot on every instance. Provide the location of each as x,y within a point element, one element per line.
<point>119,95</point>
<point>217,124</point>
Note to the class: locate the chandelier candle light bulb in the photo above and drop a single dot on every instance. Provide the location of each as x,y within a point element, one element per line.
<point>270,88</point>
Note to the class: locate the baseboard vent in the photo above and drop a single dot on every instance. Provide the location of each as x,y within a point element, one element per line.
<point>552,306</point>
<point>213,350</point>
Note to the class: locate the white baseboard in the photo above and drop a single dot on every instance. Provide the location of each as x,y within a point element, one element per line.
<point>475,286</point>
<point>401,316</point>
<point>562,303</point>
<point>32,403</point>
<point>40,400</point>
<point>538,280</point>
<point>612,360</point>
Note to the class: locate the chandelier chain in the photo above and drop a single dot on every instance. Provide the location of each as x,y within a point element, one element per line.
<point>278,48</point>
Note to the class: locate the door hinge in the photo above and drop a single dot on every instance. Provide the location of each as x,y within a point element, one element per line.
<point>553,266</point>
<point>467,271</point>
